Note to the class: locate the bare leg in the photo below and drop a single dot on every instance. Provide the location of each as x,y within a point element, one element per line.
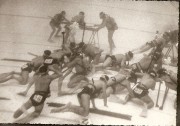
<point>110,40</point>
<point>75,79</point>
<point>114,98</point>
<point>84,110</point>
<point>31,116</point>
<point>22,109</point>
<point>147,103</point>
<point>53,31</point>
<point>5,77</point>
<point>59,29</point>
<point>67,31</point>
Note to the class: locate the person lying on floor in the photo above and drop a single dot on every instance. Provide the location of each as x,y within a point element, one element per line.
<point>82,68</point>
<point>115,62</point>
<point>88,93</point>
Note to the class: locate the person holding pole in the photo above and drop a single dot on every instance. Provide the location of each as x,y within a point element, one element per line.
<point>111,26</point>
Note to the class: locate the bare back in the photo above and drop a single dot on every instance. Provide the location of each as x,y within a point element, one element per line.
<point>37,62</point>
<point>145,62</point>
<point>42,83</point>
<point>119,57</point>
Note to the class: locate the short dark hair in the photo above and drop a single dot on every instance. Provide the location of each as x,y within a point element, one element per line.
<point>81,12</point>
<point>130,54</point>
<point>47,52</point>
<point>63,12</point>
<point>161,72</point>
<point>101,13</point>
<point>43,69</point>
<point>81,44</point>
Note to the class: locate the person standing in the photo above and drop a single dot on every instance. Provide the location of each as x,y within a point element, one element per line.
<point>76,23</point>
<point>111,26</point>
<point>56,23</point>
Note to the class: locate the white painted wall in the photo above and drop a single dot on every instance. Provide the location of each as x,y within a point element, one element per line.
<point>137,20</point>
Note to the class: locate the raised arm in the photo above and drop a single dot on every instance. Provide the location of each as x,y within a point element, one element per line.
<point>24,93</point>
<point>55,69</point>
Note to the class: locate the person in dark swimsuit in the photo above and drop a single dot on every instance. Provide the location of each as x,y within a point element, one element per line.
<point>38,98</point>
<point>88,93</point>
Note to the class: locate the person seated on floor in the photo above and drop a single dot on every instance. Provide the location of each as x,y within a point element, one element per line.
<point>115,62</point>
<point>170,79</point>
<point>138,92</point>
<point>89,93</point>
<point>38,98</point>
<point>80,67</point>
<point>92,51</point>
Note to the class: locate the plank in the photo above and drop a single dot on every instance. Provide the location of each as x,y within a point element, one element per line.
<point>97,111</point>
<point>15,60</point>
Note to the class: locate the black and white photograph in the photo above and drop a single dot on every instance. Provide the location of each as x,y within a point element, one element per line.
<point>89,62</point>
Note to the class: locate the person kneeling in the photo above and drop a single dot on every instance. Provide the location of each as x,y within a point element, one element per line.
<point>88,93</point>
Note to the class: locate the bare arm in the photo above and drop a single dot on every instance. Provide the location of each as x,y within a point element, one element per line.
<point>104,94</point>
<point>24,93</point>
<point>68,72</point>
<point>128,86</point>
<point>54,76</point>
<point>173,76</point>
<point>93,103</point>
<point>139,74</point>
<point>123,63</point>
<point>102,25</point>
<point>55,69</point>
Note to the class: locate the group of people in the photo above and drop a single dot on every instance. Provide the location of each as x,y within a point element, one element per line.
<point>77,22</point>
<point>81,60</point>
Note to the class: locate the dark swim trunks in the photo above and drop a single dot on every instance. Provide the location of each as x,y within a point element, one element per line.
<point>87,90</point>
<point>113,58</point>
<point>27,67</point>
<point>38,98</point>
<point>139,90</point>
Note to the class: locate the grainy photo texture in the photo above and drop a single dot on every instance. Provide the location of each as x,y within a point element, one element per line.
<point>100,62</point>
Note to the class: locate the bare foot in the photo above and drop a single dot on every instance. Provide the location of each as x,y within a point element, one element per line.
<point>144,113</point>
<point>115,99</point>
<point>22,93</point>
<point>85,121</point>
<point>61,109</point>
